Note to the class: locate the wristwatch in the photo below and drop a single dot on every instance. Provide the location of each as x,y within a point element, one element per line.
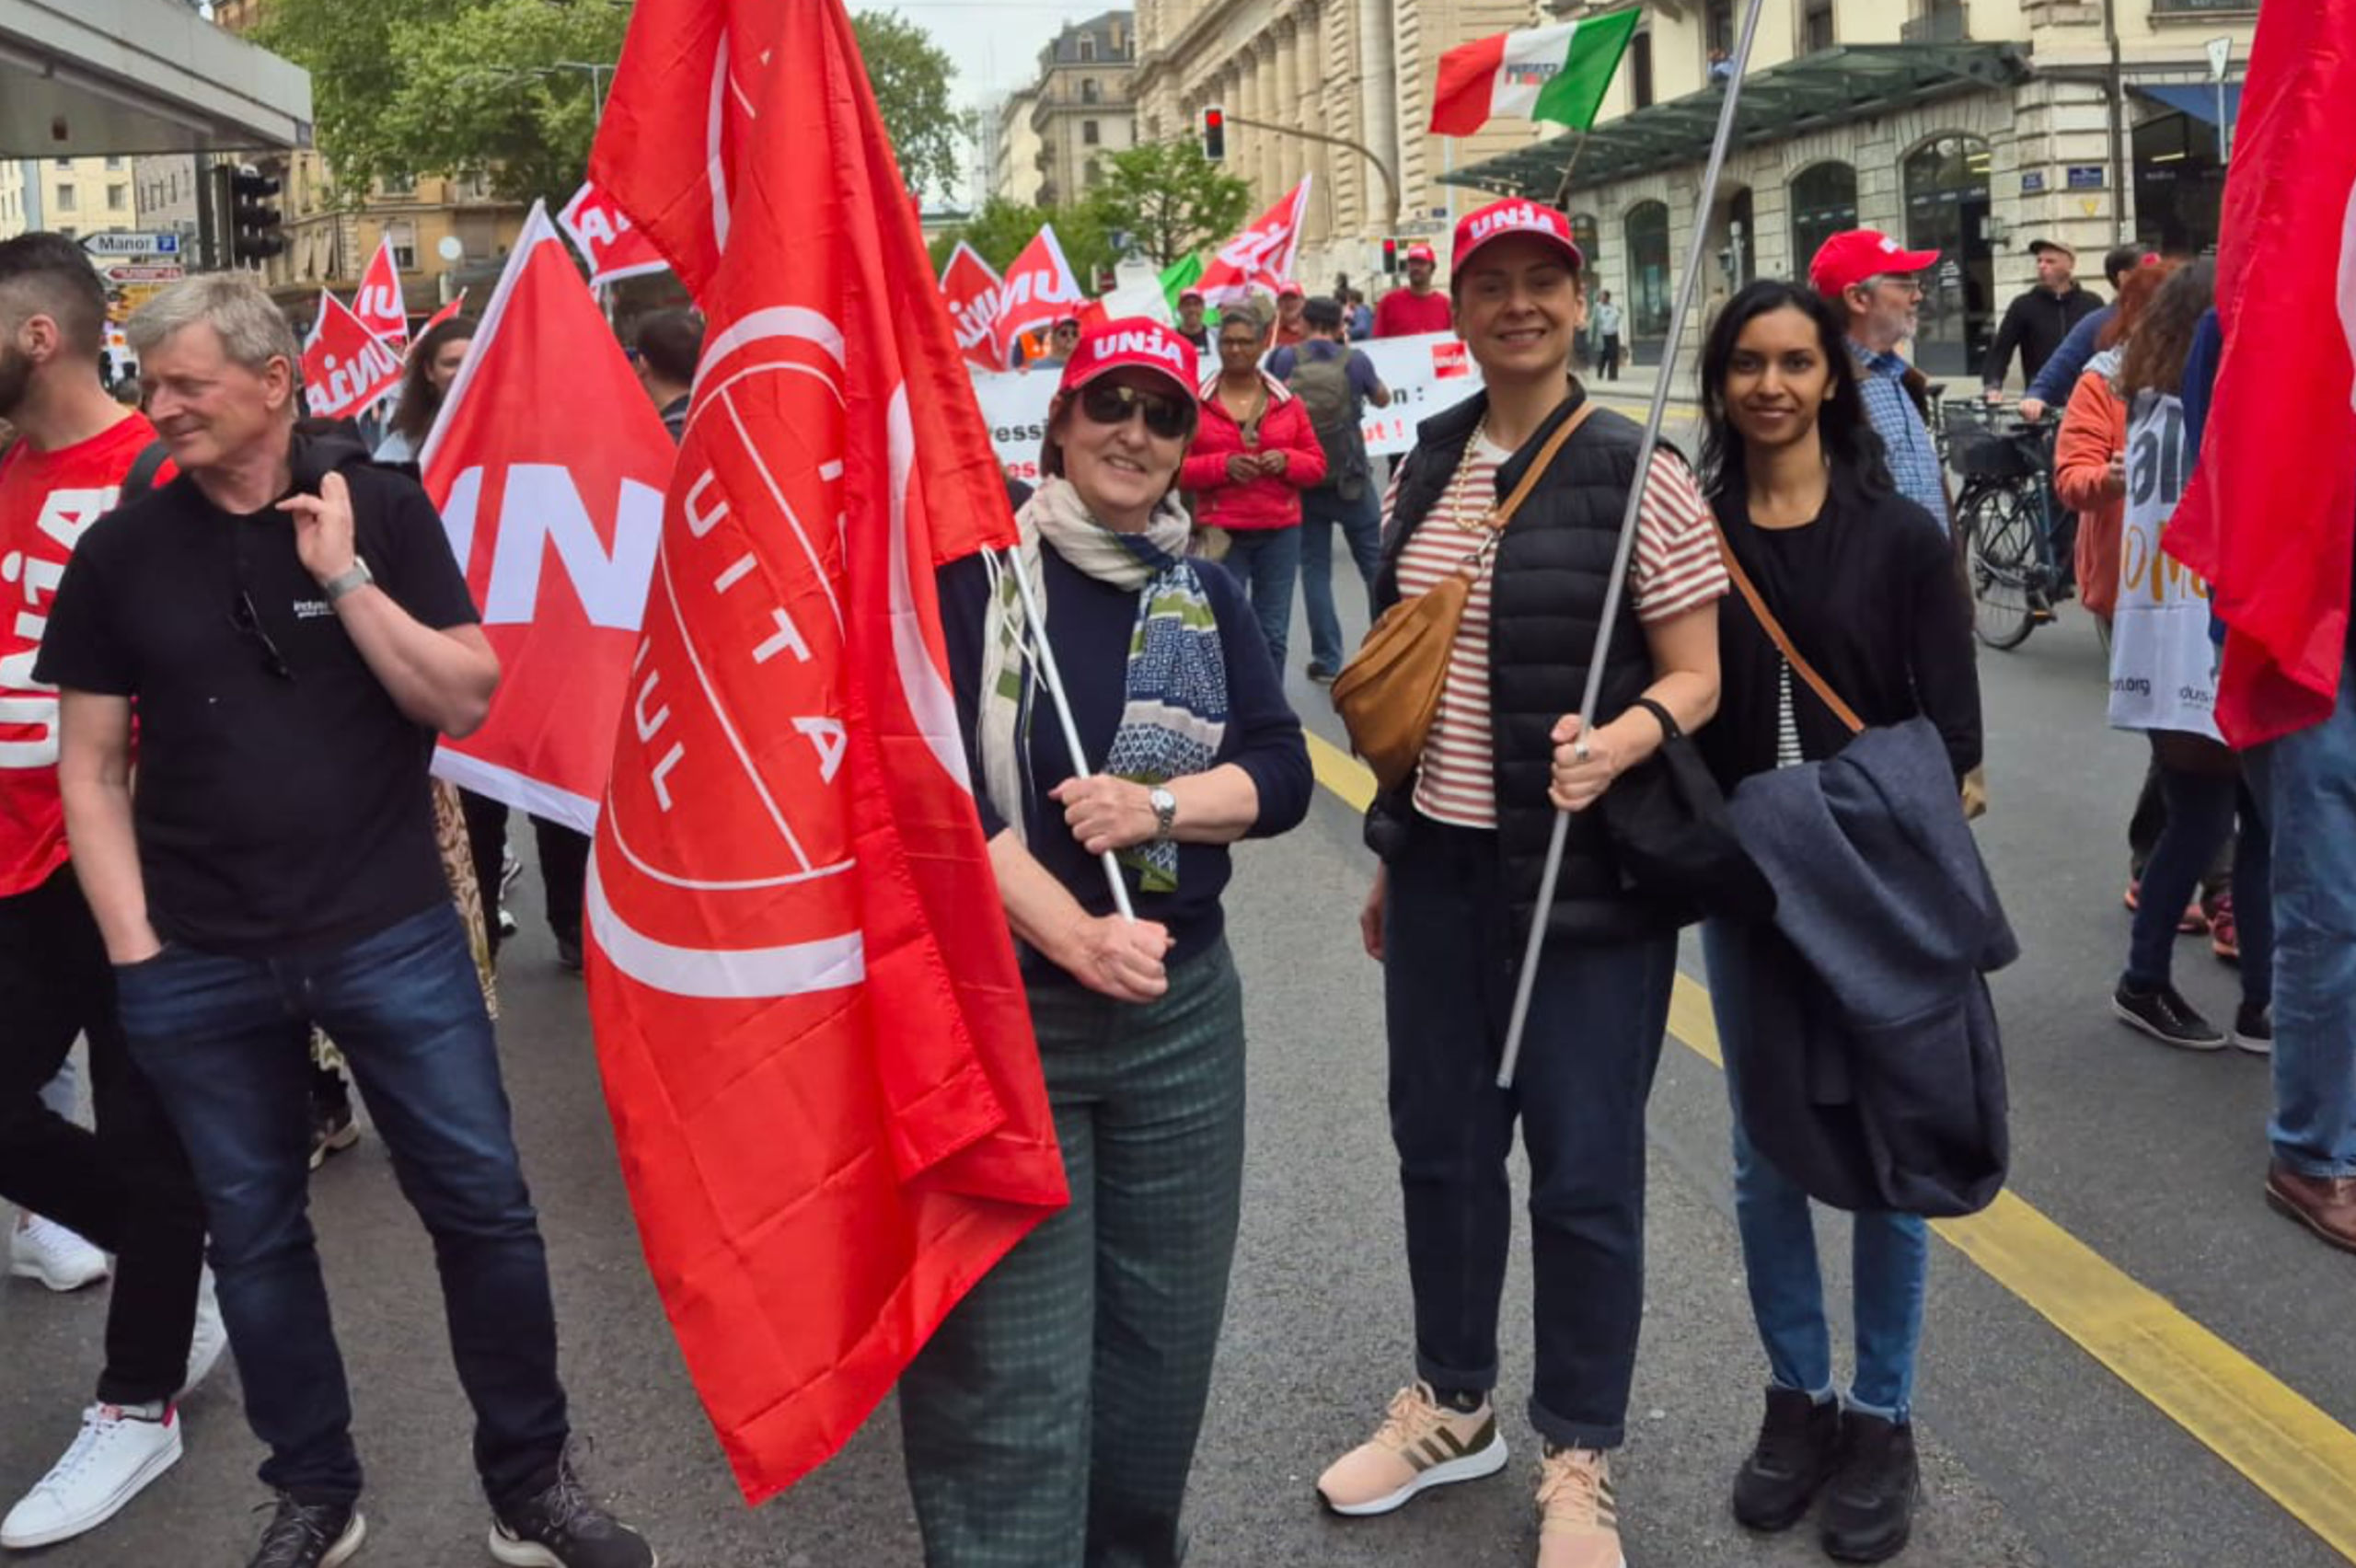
<point>1165,814</point>
<point>349,581</point>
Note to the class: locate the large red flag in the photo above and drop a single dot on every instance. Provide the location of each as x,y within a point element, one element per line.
<point>2270,516</point>
<point>815,1045</point>
<point>613,248</point>
<point>973,293</point>
<point>380,305</point>
<point>1261,258</point>
<point>345,366</point>
<point>556,522</point>
<point>1039,290</point>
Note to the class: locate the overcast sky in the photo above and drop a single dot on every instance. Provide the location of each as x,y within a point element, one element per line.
<point>995,43</point>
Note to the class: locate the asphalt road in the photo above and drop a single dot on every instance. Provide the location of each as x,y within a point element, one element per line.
<point>2035,1454</point>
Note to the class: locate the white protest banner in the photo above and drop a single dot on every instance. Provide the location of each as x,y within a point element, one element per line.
<point>1424,374</point>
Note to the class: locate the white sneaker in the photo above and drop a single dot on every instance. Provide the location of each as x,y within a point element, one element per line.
<point>44,1249</point>
<point>211,1338</point>
<point>113,1458</point>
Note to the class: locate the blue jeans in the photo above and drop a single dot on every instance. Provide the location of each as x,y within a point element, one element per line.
<point>225,1040</point>
<point>1596,1021</point>
<point>1266,562</point>
<point>1890,1255</point>
<point>1361,525</point>
<point>2306,786</point>
<point>2202,806</point>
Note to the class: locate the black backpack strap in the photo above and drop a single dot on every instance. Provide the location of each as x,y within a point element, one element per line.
<point>144,469</point>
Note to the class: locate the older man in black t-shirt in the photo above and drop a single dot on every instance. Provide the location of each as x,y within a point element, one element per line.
<point>294,631</point>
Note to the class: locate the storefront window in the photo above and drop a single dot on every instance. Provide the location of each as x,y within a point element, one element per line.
<point>1946,210</point>
<point>1824,202</point>
<point>2180,185</point>
<point>1588,238</point>
<point>1648,286</point>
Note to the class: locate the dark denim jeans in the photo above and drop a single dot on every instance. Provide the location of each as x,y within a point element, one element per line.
<point>2201,808</point>
<point>1267,563</point>
<point>1323,510</point>
<point>224,1039</point>
<point>1596,1022</point>
<point>564,865</point>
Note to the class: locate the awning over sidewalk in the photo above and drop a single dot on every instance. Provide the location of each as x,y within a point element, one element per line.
<point>79,78</point>
<point>2198,99</point>
<point>1829,88</point>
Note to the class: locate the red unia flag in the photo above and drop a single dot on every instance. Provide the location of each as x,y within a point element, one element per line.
<point>556,522</point>
<point>813,1037</point>
<point>447,312</point>
<point>2269,517</point>
<point>1039,290</point>
<point>972,291</point>
<point>346,367</point>
<point>379,303</point>
<point>605,239</point>
<point>1260,259</point>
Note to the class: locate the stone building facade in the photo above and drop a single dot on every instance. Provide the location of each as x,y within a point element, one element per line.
<point>1081,105</point>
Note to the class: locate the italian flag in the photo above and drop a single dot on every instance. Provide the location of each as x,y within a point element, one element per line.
<point>1555,73</point>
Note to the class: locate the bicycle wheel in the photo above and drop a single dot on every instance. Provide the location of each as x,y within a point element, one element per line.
<point>2000,543</point>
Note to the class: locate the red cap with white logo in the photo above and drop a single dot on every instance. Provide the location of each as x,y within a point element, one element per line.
<point>1502,220</point>
<point>1132,343</point>
<point>1419,251</point>
<point>1853,256</point>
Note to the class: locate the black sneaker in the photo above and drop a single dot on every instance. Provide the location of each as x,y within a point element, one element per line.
<point>568,955</point>
<point>1869,1503</point>
<point>2254,1030</point>
<point>564,1527</point>
<point>332,1130</point>
<point>1798,1442</point>
<point>1322,673</point>
<point>310,1535</point>
<point>2167,1018</point>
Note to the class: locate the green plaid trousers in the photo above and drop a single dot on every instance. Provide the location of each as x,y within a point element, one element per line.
<point>1051,1422</point>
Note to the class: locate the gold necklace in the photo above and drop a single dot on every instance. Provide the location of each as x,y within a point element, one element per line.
<point>1459,485</point>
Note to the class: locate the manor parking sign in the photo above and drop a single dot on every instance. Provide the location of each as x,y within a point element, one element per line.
<point>130,246</point>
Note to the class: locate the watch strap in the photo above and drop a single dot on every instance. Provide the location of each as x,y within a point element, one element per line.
<point>349,581</point>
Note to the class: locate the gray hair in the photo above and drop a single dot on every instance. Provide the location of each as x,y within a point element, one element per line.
<point>253,329</point>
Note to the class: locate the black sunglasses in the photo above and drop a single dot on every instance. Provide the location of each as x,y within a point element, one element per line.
<point>1168,418</point>
<point>247,620</point>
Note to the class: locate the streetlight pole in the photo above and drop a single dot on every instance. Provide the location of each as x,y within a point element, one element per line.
<point>1390,182</point>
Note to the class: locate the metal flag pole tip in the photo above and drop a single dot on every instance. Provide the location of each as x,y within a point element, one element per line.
<point>1689,280</point>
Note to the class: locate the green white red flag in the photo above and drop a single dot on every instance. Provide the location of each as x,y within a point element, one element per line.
<point>1556,73</point>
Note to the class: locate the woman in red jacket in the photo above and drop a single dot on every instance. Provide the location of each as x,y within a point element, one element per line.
<point>2090,452</point>
<point>1255,452</point>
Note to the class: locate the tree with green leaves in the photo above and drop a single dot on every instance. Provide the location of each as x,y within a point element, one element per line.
<point>910,74</point>
<point>1169,199</point>
<point>1000,231</point>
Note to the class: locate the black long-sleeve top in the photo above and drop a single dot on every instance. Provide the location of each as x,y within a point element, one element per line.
<point>1869,594</point>
<point>1089,624</point>
<point>2035,323</point>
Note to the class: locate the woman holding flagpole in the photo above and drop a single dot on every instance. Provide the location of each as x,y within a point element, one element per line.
<point>1463,839</point>
<point>1051,1420</point>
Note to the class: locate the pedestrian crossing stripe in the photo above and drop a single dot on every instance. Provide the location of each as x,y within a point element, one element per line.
<point>2286,1446</point>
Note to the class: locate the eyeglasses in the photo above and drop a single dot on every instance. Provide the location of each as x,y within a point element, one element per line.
<point>1112,404</point>
<point>247,622</point>
<point>1910,281</point>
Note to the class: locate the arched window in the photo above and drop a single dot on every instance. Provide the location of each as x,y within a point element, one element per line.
<point>1648,273</point>
<point>1824,202</point>
<point>1946,186</point>
<point>1588,238</point>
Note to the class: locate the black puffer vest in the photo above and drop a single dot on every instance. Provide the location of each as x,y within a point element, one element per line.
<point>1547,586</point>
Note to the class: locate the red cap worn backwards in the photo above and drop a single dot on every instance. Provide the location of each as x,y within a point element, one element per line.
<point>1515,215</point>
<point>1853,256</point>
<point>1132,343</point>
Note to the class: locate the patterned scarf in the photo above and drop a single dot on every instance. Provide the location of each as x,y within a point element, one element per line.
<point>1175,712</point>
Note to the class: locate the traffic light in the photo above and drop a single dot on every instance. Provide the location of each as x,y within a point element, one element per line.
<point>1391,256</point>
<point>253,225</point>
<point>1215,134</point>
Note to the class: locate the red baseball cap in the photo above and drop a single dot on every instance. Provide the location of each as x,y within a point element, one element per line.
<point>1515,215</point>
<point>1292,291</point>
<point>1853,256</point>
<point>1132,343</point>
<point>1419,251</point>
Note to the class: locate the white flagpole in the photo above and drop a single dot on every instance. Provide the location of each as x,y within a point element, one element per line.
<point>1687,284</point>
<point>1037,630</point>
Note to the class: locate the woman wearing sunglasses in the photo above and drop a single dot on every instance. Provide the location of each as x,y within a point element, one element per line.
<point>1051,1422</point>
<point>1862,581</point>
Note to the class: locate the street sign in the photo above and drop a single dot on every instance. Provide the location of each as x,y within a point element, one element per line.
<point>2085,177</point>
<point>142,272</point>
<point>121,244</point>
<point>2220,55</point>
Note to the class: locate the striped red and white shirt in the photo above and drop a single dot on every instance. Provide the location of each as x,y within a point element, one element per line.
<point>1675,568</point>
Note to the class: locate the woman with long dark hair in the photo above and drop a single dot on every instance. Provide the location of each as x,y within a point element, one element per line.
<point>1863,583</point>
<point>434,364</point>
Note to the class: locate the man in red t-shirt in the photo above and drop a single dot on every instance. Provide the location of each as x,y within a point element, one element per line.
<point>1418,307</point>
<point>126,1187</point>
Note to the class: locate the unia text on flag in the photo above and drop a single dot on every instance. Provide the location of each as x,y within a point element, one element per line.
<point>380,305</point>
<point>815,1045</point>
<point>1557,73</point>
<point>346,367</point>
<point>555,523</point>
<point>1040,289</point>
<point>606,239</point>
<point>1260,260</point>
<point>973,293</point>
<point>2269,515</point>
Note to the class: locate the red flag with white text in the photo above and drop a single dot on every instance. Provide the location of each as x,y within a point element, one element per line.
<point>1260,260</point>
<point>2275,539</point>
<point>606,239</point>
<point>346,367</point>
<point>555,523</point>
<point>973,293</point>
<point>380,305</point>
<point>1039,290</point>
<point>813,1031</point>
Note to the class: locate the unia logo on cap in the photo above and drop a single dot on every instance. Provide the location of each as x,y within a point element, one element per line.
<point>1153,345</point>
<point>1518,216</point>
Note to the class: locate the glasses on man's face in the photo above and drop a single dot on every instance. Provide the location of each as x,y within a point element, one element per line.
<point>1905,283</point>
<point>1115,404</point>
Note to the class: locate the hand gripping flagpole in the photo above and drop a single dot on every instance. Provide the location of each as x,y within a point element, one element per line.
<point>1686,284</point>
<point>1037,628</point>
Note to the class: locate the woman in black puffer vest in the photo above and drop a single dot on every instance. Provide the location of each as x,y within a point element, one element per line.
<point>1463,842</point>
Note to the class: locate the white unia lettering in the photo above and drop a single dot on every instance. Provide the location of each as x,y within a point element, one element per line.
<point>540,507</point>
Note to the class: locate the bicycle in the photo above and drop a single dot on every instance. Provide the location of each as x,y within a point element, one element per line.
<point>2005,515</point>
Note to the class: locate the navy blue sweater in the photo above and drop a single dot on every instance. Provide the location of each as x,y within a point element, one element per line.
<point>1089,623</point>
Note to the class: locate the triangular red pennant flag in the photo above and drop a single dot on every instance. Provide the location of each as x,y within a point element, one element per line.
<point>973,293</point>
<point>1039,290</point>
<point>346,367</point>
<point>1260,260</point>
<point>606,239</point>
<point>813,1031</point>
<point>381,306</point>
<point>554,523</point>
<point>448,312</point>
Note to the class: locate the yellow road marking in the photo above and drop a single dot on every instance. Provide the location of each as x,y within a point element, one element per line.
<point>2283,1442</point>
